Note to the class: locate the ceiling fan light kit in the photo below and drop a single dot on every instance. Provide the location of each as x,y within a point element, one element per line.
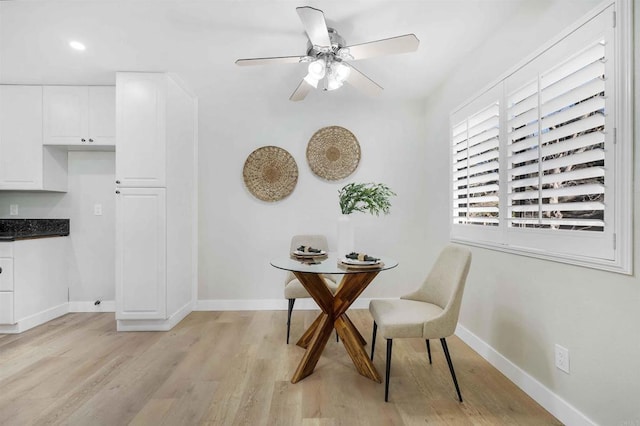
<point>327,54</point>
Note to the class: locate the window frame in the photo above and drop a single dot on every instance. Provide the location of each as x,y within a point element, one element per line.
<point>514,240</point>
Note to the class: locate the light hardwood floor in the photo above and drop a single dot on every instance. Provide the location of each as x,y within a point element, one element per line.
<point>234,368</point>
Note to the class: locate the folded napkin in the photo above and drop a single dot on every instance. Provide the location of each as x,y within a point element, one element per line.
<point>307,249</point>
<point>362,257</point>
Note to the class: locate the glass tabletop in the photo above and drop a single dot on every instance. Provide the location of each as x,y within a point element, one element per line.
<point>328,264</point>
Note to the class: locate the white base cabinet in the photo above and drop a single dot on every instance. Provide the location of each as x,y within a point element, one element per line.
<point>33,282</point>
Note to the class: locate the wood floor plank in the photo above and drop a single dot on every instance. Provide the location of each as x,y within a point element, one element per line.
<point>119,401</point>
<point>226,368</point>
<point>77,394</point>
<point>154,412</point>
<point>191,407</point>
<point>286,402</point>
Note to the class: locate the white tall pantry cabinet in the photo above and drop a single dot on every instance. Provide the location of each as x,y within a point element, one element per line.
<point>156,201</point>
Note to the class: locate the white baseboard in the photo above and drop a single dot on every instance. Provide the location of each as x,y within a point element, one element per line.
<point>544,396</point>
<point>90,306</point>
<point>306,304</point>
<point>35,320</point>
<point>155,325</point>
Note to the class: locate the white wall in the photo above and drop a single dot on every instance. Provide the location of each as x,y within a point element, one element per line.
<point>92,238</point>
<point>522,306</point>
<point>240,234</point>
<point>92,263</point>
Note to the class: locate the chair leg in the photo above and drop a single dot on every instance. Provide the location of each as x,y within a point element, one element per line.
<point>337,338</point>
<point>453,373</point>
<point>373,339</point>
<point>428,350</point>
<point>291,302</point>
<point>386,380</point>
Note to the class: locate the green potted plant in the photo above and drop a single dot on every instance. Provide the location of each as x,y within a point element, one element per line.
<point>370,198</point>
<point>365,197</point>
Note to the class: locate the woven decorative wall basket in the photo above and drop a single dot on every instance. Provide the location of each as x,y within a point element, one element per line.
<point>333,153</point>
<point>270,173</point>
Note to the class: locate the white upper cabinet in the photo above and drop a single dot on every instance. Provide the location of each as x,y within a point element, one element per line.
<point>79,116</point>
<point>102,115</point>
<point>24,164</point>
<point>141,139</point>
<point>65,115</point>
<point>20,137</point>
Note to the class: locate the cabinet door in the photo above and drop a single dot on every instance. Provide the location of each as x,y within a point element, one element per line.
<point>65,115</point>
<point>6,274</point>
<point>140,139</point>
<point>102,115</point>
<point>6,307</point>
<point>41,283</point>
<point>141,253</point>
<point>20,137</point>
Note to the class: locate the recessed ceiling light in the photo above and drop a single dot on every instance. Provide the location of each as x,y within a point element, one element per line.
<point>77,45</point>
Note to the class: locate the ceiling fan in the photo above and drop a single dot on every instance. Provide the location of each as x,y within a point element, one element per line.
<point>327,55</point>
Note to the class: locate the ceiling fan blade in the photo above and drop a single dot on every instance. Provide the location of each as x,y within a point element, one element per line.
<point>315,25</point>
<point>267,61</point>
<point>363,83</point>
<point>301,91</point>
<point>388,46</point>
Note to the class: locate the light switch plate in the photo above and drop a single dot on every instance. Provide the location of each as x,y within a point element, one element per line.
<point>97,209</point>
<point>13,210</point>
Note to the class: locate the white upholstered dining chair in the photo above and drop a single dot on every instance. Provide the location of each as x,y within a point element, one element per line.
<point>431,312</point>
<point>293,289</point>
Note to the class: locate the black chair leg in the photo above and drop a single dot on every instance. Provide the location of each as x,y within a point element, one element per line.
<point>428,350</point>
<point>337,338</point>
<point>291,302</point>
<point>386,381</point>
<point>373,339</point>
<point>453,373</point>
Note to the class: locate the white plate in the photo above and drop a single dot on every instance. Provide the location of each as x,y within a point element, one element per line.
<point>304,254</point>
<point>348,261</point>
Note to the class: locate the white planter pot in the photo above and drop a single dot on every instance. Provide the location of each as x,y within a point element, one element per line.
<point>346,235</point>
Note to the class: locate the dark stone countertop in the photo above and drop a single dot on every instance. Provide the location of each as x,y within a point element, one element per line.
<point>23,229</point>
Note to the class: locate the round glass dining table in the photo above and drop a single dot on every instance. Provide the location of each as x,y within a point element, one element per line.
<point>355,278</point>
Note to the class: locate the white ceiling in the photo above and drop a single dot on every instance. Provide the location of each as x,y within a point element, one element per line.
<point>200,40</point>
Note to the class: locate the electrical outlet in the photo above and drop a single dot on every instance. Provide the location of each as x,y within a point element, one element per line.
<point>13,210</point>
<point>97,209</point>
<point>562,358</point>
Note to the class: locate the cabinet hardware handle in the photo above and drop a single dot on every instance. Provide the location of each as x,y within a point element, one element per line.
<point>83,140</point>
<point>0,269</point>
<point>117,192</point>
<point>90,140</point>
<point>118,182</point>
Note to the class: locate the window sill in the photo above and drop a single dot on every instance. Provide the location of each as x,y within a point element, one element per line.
<point>617,266</point>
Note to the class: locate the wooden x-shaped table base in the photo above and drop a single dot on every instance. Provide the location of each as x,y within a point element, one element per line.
<point>334,308</point>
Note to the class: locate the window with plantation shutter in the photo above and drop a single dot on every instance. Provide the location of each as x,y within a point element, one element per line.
<point>556,139</point>
<point>541,161</point>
